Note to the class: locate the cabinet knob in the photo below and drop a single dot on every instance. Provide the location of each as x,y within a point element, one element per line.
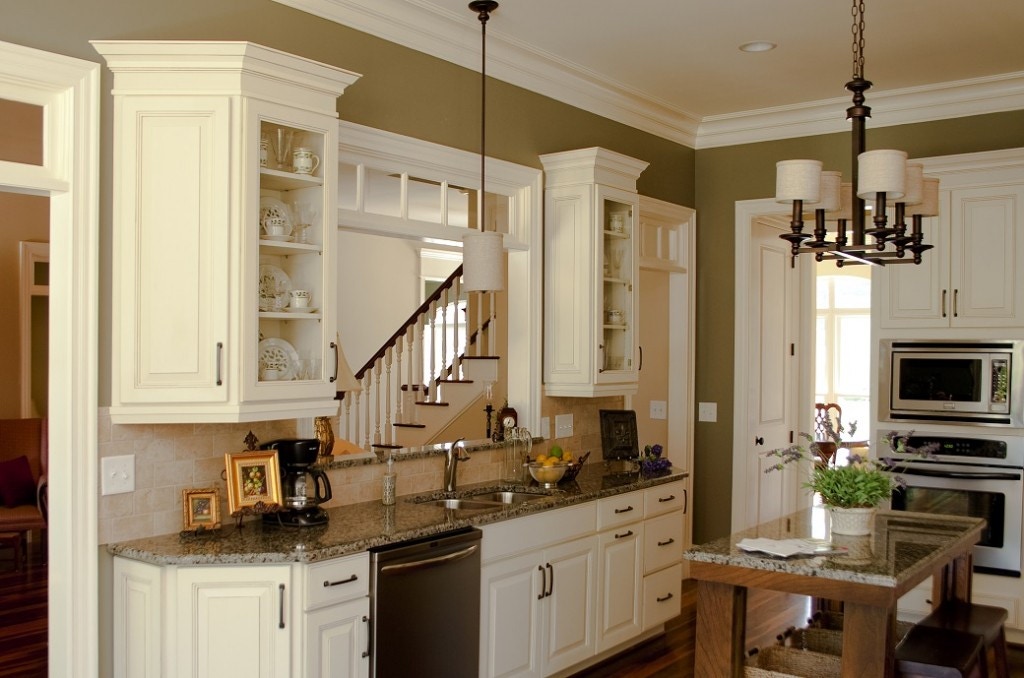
<point>759,440</point>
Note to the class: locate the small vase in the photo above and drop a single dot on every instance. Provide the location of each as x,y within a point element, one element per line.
<point>852,521</point>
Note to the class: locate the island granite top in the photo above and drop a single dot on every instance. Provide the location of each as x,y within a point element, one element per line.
<point>901,546</point>
<point>358,527</point>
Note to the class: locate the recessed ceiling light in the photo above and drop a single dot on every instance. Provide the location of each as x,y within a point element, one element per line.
<point>758,46</point>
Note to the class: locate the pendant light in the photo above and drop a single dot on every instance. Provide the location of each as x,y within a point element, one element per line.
<point>483,251</point>
<point>880,177</point>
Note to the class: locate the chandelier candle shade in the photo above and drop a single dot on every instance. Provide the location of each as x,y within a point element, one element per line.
<point>880,177</point>
<point>483,260</point>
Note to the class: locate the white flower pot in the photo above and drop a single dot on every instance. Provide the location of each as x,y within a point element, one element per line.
<point>852,521</point>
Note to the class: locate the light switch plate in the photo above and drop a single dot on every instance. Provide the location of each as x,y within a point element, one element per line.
<point>117,474</point>
<point>707,411</point>
<point>545,428</point>
<point>659,409</point>
<point>563,425</point>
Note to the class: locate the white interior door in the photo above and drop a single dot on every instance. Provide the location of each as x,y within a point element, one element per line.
<point>769,368</point>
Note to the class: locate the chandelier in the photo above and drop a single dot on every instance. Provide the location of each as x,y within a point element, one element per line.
<point>483,262</point>
<point>881,177</point>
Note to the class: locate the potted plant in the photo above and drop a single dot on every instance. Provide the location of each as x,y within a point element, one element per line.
<point>851,491</point>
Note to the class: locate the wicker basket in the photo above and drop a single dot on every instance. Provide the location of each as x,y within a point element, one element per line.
<point>828,641</point>
<point>785,662</point>
<point>834,620</point>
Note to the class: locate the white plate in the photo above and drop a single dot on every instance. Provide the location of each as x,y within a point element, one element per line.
<point>274,288</point>
<point>272,207</point>
<point>278,354</point>
<point>308,309</point>
<point>277,238</point>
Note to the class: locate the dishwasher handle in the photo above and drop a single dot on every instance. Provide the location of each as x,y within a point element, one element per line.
<point>431,562</point>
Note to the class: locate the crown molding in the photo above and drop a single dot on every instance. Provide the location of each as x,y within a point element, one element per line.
<point>421,26</point>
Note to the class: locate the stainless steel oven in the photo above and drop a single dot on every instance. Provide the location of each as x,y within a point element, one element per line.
<point>980,476</point>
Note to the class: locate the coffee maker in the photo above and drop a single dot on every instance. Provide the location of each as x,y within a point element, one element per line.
<point>304,486</point>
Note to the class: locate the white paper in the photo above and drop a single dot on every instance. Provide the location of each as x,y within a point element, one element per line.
<point>790,547</point>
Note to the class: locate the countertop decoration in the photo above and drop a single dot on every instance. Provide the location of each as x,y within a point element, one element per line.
<point>357,527</point>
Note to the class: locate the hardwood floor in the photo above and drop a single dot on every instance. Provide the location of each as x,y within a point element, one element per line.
<point>23,623</point>
<point>671,655</point>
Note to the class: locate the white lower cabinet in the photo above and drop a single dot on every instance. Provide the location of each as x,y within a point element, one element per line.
<point>247,620</point>
<point>233,621</point>
<point>560,588</point>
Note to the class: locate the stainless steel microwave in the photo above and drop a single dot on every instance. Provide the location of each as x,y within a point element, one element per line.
<point>967,382</point>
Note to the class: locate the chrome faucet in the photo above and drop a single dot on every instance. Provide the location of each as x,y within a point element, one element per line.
<point>454,454</point>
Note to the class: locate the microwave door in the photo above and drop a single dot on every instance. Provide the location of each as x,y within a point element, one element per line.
<point>941,382</point>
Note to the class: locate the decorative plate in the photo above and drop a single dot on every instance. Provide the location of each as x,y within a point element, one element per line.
<point>275,286</point>
<point>278,354</point>
<point>273,208</point>
<point>277,238</point>
<point>307,309</point>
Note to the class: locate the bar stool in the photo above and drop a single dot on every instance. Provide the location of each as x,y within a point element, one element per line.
<point>933,652</point>
<point>985,621</point>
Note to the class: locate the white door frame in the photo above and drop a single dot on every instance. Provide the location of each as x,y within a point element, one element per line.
<point>746,212</point>
<point>68,91</point>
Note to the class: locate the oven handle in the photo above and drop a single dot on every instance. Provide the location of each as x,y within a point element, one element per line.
<point>960,475</point>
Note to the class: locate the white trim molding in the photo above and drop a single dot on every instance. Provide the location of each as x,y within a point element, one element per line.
<point>68,91</point>
<point>444,34</point>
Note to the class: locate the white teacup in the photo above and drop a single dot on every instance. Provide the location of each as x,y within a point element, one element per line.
<point>275,226</point>
<point>300,298</point>
<point>271,374</point>
<point>305,161</point>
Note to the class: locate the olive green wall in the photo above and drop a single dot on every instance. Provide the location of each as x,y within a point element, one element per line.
<point>402,91</point>
<point>747,172</point>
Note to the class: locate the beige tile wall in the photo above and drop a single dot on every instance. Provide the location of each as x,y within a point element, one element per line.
<point>170,458</point>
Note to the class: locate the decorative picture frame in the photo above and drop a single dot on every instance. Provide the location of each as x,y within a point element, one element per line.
<point>254,479</point>
<point>201,509</point>
<point>618,434</point>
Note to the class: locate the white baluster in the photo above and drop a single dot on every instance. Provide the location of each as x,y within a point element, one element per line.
<point>376,404</point>
<point>367,385</point>
<point>431,377</point>
<point>492,330</point>
<point>387,397</point>
<point>460,346</point>
<point>444,336</point>
<point>399,409</point>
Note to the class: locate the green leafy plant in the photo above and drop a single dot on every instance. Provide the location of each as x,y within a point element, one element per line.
<point>860,483</point>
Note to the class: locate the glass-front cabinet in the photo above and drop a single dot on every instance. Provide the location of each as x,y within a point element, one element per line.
<point>590,273</point>
<point>225,189</point>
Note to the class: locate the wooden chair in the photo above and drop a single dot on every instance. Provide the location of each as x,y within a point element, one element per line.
<point>826,415</point>
<point>23,489</point>
<point>985,621</point>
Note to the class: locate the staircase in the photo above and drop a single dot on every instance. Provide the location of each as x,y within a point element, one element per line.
<point>437,365</point>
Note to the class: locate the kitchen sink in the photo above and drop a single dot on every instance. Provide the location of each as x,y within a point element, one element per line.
<point>508,497</point>
<point>464,504</point>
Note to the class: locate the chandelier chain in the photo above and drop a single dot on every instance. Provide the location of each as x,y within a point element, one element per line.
<point>857,11</point>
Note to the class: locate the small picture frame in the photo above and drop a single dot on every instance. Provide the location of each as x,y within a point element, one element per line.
<point>253,478</point>
<point>201,509</point>
<point>618,434</point>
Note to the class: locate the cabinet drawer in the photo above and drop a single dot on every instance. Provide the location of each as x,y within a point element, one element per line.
<point>619,510</point>
<point>336,580</point>
<point>663,541</point>
<point>664,498</point>
<point>663,592</point>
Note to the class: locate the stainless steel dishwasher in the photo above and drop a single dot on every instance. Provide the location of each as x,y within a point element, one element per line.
<point>425,607</point>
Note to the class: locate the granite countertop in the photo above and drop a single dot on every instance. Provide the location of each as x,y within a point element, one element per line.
<point>358,527</point>
<point>902,545</point>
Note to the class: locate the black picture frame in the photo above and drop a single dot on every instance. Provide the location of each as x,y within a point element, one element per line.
<point>618,434</point>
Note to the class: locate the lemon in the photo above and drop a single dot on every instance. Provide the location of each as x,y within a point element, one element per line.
<point>550,461</point>
<point>555,451</point>
<point>567,456</point>
<point>541,458</point>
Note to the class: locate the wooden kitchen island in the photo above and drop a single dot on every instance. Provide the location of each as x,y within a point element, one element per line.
<point>904,549</point>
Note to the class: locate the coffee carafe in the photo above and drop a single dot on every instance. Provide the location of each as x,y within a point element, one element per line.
<point>304,485</point>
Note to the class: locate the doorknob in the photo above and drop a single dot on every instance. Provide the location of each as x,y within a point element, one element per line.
<point>759,440</point>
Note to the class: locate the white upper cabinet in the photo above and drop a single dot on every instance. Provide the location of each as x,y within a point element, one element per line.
<point>971,278</point>
<point>225,187</point>
<point>591,269</point>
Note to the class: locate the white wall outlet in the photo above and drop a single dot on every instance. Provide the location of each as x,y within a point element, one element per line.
<point>117,474</point>
<point>659,409</point>
<point>563,425</point>
<point>707,411</point>
<point>545,428</point>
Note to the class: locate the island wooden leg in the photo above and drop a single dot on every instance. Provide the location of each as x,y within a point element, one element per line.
<point>721,630</point>
<point>953,582</point>
<point>869,640</point>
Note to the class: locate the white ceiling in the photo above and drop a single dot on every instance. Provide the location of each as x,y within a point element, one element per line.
<point>673,67</point>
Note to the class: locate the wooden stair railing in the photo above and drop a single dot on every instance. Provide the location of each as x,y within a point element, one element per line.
<point>429,348</point>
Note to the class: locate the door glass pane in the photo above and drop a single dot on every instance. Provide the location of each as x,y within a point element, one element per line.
<point>41,273</point>
<point>21,134</point>
<point>853,293</point>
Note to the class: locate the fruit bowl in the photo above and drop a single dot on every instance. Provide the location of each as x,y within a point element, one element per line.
<point>547,475</point>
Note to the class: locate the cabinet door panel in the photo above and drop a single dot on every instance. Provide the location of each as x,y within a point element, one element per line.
<point>336,641</point>
<point>510,617</point>
<point>620,580</point>
<point>570,628</point>
<point>171,292</point>
<point>986,226</point>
